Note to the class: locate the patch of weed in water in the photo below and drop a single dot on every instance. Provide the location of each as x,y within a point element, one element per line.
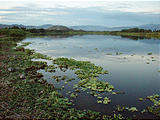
<point>88,74</point>
<point>120,108</point>
<point>155,108</point>
<point>149,53</point>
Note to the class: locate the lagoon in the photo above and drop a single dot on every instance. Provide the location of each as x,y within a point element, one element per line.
<point>131,69</point>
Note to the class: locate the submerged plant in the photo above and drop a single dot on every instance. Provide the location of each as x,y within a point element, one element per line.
<point>73,95</point>
<point>88,74</point>
<point>155,108</point>
<point>149,53</point>
<point>99,101</point>
<point>120,108</point>
<point>119,53</point>
<point>106,100</point>
<point>109,54</point>
<point>132,109</point>
<point>140,99</point>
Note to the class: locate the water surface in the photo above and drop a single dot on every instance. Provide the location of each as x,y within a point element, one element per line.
<point>133,71</point>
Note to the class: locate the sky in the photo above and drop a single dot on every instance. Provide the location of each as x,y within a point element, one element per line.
<point>109,13</point>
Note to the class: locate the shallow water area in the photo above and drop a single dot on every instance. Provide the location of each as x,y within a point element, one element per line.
<point>132,69</point>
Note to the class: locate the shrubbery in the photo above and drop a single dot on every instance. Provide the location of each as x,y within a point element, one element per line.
<point>135,30</point>
<point>12,32</point>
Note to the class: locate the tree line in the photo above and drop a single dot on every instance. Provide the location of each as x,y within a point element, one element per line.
<point>138,30</point>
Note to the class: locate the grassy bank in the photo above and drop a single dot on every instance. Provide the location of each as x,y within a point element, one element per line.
<point>140,35</point>
<point>128,34</point>
<point>132,35</point>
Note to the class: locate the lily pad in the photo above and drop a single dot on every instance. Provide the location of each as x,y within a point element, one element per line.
<point>132,109</point>
<point>106,100</point>
<point>140,99</point>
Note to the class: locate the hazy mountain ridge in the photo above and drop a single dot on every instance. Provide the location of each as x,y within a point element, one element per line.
<point>45,26</point>
<point>103,28</point>
<point>59,27</point>
<point>86,27</point>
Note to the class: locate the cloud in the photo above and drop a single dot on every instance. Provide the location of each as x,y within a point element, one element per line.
<point>2,17</point>
<point>90,12</point>
<point>119,5</point>
<point>6,12</point>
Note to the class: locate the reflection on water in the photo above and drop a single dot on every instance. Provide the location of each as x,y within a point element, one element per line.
<point>131,70</point>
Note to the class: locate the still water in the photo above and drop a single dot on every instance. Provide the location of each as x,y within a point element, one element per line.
<point>131,69</point>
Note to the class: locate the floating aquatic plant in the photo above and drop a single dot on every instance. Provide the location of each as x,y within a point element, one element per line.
<point>69,80</point>
<point>149,53</point>
<point>143,111</point>
<point>109,54</point>
<point>96,49</point>
<point>77,90</point>
<point>88,74</point>
<point>99,101</point>
<point>120,108</point>
<point>118,117</point>
<point>23,44</point>
<point>99,97</point>
<point>140,99</point>
<point>119,53</point>
<point>106,100</point>
<point>73,95</point>
<point>155,108</point>
<point>132,109</point>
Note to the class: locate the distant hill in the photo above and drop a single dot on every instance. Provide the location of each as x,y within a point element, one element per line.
<point>85,27</point>
<point>59,27</point>
<point>89,28</point>
<point>103,28</point>
<point>150,26</point>
<point>7,26</point>
<point>45,26</point>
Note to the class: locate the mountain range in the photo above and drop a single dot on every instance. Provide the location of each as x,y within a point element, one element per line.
<point>103,28</point>
<point>45,26</point>
<point>87,27</point>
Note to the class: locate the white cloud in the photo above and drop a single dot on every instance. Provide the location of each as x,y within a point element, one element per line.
<point>78,12</point>
<point>6,12</point>
<point>119,5</point>
<point>2,17</point>
<point>53,13</point>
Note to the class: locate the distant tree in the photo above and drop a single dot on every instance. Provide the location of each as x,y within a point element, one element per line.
<point>17,33</point>
<point>14,27</point>
<point>34,30</point>
<point>135,30</point>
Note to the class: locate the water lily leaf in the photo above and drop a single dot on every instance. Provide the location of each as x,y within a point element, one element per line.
<point>99,101</point>
<point>140,99</point>
<point>132,109</point>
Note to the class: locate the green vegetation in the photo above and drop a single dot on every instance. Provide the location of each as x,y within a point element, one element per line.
<point>136,30</point>
<point>123,108</point>
<point>25,94</point>
<point>155,108</point>
<point>133,33</point>
<point>149,53</point>
<point>132,109</point>
<point>137,35</point>
<point>87,73</point>
<point>13,32</point>
<point>140,99</point>
<point>120,108</point>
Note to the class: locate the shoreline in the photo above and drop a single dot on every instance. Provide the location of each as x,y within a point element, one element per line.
<point>19,73</point>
